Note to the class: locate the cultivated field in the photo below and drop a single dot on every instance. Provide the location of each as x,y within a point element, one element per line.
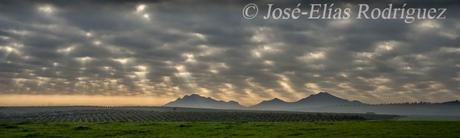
<point>234,129</point>
<point>149,114</point>
<point>188,122</point>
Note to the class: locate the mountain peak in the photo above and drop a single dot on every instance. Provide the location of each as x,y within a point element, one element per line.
<point>275,100</point>
<point>193,96</point>
<point>198,101</point>
<point>324,94</point>
<point>322,97</point>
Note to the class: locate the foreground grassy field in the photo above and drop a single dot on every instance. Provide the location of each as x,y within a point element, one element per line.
<point>236,129</point>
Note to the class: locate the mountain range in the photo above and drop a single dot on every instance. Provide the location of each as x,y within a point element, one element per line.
<point>322,99</point>
<point>324,102</point>
<point>197,101</point>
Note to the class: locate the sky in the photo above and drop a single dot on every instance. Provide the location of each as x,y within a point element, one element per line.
<point>151,52</point>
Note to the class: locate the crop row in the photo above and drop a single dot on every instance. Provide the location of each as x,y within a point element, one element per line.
<point>143,116</point>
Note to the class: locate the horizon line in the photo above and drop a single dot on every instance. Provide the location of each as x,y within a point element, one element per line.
<point>24,100</point>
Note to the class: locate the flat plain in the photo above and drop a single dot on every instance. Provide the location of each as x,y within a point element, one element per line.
<point>234,129</point>
<point>192,122</point>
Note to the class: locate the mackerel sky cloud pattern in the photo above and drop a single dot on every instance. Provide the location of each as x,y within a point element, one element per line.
<point>173,48</point>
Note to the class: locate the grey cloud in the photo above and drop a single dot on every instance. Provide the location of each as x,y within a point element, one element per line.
<point>108,48</point>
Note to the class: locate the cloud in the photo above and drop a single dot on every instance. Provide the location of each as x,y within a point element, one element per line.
<point>172,48</point>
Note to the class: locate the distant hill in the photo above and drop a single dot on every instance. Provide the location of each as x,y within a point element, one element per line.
<point>319,100</point>
<point>274,103</point>
<point>325,102</point>
<point>324,99</point>
<point>197,101</point>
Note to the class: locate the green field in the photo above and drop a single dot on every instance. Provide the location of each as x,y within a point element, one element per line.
<point>235,129</point>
